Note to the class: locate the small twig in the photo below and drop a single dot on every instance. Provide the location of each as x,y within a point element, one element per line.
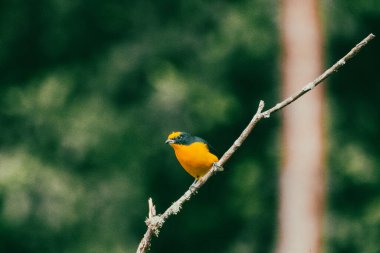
<point>145,242</point>
<point>155,222</point>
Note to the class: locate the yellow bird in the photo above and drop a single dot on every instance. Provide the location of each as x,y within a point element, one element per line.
<point>193,153</point>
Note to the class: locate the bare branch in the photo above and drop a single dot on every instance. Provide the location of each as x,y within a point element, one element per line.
<point>155,222</point>
<point>145,242</point>
<point>239,141</point>
<point>334,68</point>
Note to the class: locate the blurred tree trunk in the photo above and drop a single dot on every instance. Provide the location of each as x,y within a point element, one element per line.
<point>302,174</point>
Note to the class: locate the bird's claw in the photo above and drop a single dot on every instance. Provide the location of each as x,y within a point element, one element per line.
<point>216,167</point>
<point>192,187</point>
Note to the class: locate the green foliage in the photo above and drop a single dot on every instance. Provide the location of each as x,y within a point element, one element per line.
<point>90,90</point>
<point>353,223</point>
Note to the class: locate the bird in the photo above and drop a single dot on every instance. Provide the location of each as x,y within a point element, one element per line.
<point>194,154</point>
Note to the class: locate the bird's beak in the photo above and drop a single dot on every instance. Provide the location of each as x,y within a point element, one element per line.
<point>169,141</point>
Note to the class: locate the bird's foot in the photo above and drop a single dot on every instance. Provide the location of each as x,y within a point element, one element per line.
<point>216,167</point>
<point>193,188</point>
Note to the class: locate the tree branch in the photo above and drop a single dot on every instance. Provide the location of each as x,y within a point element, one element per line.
<point>155,222</point>
<point>334,68</point>
<point>145,242</point>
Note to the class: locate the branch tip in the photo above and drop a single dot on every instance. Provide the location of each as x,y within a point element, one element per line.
<point>261,106</point>
<point>152,208</point>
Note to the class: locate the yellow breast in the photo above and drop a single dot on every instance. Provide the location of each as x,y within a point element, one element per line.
<point>195,158</point>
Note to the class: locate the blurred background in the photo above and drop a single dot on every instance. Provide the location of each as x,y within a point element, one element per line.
<point>91,89</point>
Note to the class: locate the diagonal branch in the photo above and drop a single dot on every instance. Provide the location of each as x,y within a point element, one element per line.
<point>155,222</point>
<point>334,68</point>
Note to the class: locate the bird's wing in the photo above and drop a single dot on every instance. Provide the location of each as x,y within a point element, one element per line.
<point>210,148</point>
